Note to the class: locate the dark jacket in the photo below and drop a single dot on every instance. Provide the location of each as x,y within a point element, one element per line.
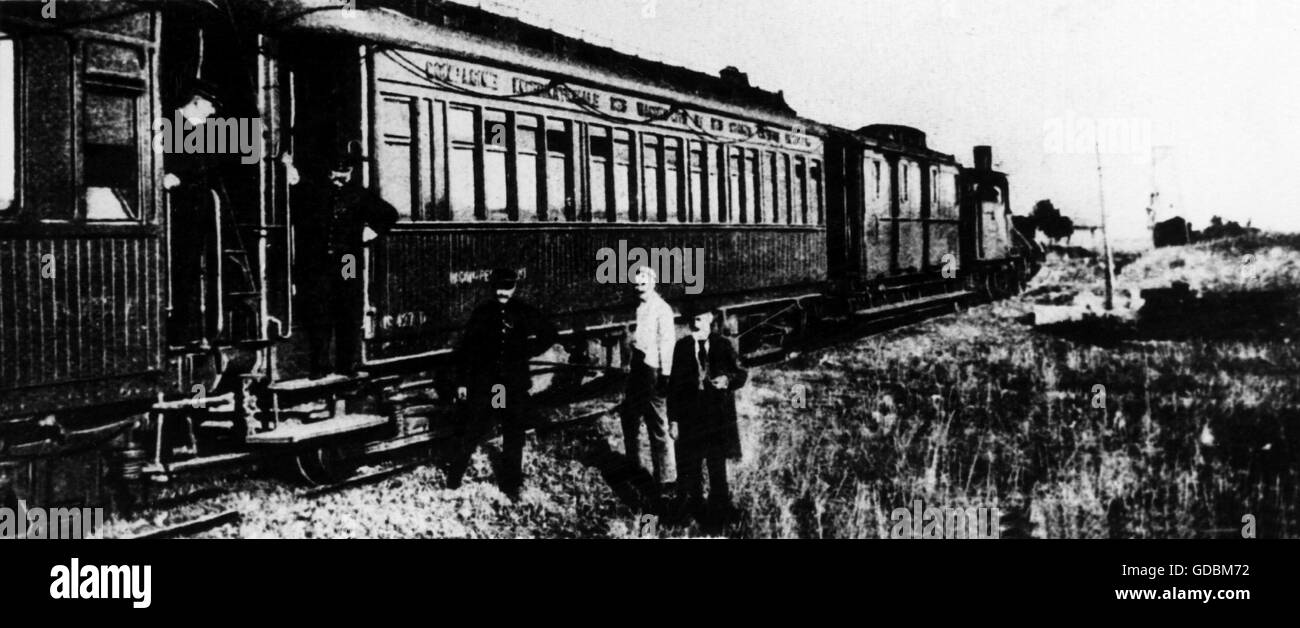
<point>497,345</point>
<point>329,221</point>
<point>191,201</point>
<point>706,418</point>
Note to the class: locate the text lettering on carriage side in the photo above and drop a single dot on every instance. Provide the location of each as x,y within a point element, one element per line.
<point>533,89</point>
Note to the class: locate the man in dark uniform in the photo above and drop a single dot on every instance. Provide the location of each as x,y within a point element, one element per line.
<point>334,223</point>
<point>494,377</point>
<point>191,181</point>
<point>701,402</point>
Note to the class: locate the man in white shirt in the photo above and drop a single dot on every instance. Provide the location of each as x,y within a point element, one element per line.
<point>647,383</point>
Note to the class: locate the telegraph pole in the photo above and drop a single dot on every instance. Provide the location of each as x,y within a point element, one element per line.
<point>1105,238</point>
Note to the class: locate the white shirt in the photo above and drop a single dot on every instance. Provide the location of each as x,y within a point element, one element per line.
<point>656,333</point>
<point>701,337</point>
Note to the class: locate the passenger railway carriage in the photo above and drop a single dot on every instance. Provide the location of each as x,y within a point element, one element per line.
<point>500,143</point>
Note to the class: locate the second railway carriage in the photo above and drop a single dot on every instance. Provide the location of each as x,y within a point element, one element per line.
<point>500,144</point>
<point>896,209</point>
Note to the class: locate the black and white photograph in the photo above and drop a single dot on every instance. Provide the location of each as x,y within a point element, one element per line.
<point>667,270</point>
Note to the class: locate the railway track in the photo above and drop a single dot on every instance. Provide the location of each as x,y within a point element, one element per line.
<point>361,479</point>
<point>191,526</point>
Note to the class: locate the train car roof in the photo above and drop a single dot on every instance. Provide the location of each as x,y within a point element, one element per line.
<point>894,138</point>
<point>453,27</point>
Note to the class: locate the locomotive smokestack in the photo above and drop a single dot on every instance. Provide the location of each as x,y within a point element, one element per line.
<point>983,157</point>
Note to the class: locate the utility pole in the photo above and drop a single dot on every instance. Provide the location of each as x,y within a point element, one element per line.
<point>1105,238</point>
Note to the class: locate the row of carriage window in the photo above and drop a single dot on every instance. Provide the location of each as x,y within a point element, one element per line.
<point>497,165</point>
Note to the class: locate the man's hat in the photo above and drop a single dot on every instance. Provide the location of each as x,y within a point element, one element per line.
<point>504,278</point>
<point>346,156</point>
<point>341,163</point>
<point>206,90</point>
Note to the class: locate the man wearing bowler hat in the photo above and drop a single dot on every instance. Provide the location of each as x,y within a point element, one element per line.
<point>191,182</point>
<point>333,224</point>
<point>493,377</point>
<point>702,403</point>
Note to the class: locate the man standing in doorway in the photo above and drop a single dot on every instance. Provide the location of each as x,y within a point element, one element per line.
<point>340,219</point>
<point>647,383</point>
<point>190,180</point>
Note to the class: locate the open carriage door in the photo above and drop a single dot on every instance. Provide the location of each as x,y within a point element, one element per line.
<point>320,82</point>
<point>226,201</point>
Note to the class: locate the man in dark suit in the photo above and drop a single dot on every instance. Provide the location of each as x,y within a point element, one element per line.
<point>493,378</point>
<point>702,404</point>
<point>191,181</point>
<point>334,222</point>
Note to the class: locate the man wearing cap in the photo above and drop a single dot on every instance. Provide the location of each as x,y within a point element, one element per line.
<point>334,222</point>
<point>190,180</point>
<point>647,383</point>
<point>493,377</point>
<point>702,404</point>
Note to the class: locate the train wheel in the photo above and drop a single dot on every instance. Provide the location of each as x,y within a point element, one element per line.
<point>326,464</point>
<point>1002,283</point>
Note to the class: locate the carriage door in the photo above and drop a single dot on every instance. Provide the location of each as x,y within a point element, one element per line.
<point>877,215</point>
<point>319,82</point>
<point>991,217</point>
<point>214,174</point>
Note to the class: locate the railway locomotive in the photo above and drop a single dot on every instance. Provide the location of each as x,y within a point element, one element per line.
<point>501,145</point>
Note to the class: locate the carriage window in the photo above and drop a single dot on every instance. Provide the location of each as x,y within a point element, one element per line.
<point>460,183</point>
<point>698,185</point>
<point>717,186</point>
<point>623,174</point>
<point>650,159</point>
<point>907,170</point>
<point>735,199</point>
<point>786,181</point>
<point>8,125</point>
<point>112,153</point>
<point>751,213</point>
<point>672,181</point>
<point>600,151</point>
<point>559,171</point>
<point>800,191</point>
<point>815,202</point>
<point>877,165</point>
<point>496,136</point>
<point>773,206</point>
<point>527,130</point>
<point>397,154</point>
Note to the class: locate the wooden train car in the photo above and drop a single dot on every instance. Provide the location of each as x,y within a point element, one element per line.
<point>174,341</point>
<point>899,202</point>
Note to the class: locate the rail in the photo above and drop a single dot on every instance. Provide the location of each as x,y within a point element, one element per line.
<point>192,526</point>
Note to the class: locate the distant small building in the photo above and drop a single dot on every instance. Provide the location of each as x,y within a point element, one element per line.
<point>1172,232</point>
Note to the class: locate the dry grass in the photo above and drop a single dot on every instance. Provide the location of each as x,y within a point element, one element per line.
<point>981,410</point>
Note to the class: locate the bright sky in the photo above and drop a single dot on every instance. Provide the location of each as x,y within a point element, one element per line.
<point>1211,85</point>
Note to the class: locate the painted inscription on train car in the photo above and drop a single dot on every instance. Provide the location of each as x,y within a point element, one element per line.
<point>477,275</point>
<point>441,73</point>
